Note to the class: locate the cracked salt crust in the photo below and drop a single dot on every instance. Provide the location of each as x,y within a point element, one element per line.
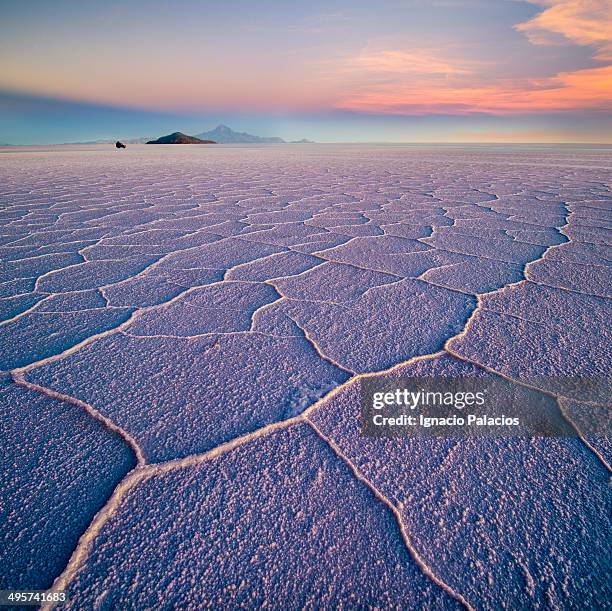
<point>118,308</point>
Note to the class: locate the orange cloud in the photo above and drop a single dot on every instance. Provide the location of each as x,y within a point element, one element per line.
<point>583,22</point>
<point>582,89</point>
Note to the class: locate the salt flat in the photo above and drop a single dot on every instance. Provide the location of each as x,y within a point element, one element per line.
<point>184,331</point>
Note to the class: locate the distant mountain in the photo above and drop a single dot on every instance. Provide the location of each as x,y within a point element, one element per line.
<point>302,141</point>
<point>226,135</point>
<point>180,138</point>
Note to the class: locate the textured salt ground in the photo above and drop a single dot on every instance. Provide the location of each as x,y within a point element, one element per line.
<point>390,254</point>
<point>147,291</point>
<point>584,278</point>
<point>172,290</point>
<point>297,532</point>
<point>58,468</point>
<point>501,520</point>
<point>543,335</point>
<point>282,264</point>
<point>360,337</point>
<point>17,304</point>
<point>474,275</point>
<point>221,308</point>
<point>36,336</point>
<point>180,396</point>
<point>594,423</point>
<point>331,282</point>
<point>506,250</point>
<point>36,265</point>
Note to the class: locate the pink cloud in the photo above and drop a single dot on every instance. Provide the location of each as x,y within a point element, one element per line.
<point>582,22</point>
<point>580,89</point>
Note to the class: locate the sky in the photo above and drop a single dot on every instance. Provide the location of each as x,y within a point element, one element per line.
<point>333,70</point>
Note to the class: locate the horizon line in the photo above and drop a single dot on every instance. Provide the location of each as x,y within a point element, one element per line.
<point>386,142</point>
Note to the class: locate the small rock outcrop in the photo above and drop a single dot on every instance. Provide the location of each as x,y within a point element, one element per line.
<point>180,138</point>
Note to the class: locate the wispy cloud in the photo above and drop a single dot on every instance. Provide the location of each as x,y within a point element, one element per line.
<point>320,23</point>
<point>406,62</point>
<point>582,22</point>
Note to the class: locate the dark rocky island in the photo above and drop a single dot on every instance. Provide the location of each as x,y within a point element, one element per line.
<point>180,138</point>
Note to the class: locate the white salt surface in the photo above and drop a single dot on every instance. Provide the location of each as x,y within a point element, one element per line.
<point>188,326</point>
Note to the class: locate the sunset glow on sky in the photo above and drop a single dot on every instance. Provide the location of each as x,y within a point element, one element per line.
<point>395,70</point>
